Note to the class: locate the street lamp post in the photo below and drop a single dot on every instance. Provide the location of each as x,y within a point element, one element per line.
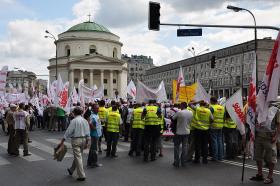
<point>192,51</point>
<point>237,9</point>
<point>50,35</point>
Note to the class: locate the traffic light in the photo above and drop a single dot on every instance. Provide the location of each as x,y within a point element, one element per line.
<point>213,62</point>
<point>154,14</point>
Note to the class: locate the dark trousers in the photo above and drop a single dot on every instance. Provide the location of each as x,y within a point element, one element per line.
<point>40,122</point>
<point>112,142</point>
<point>126,131</point>
<point>136,142</point>
<point>201,144</point>
<point>61,123</point>
<point>12,142</point>
<point>151,135</point>
<point>92,156</point>
<point>180,157</point>
<point>231,141</point>
<point>21,136</point>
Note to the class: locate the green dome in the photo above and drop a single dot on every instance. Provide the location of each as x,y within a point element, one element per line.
<point>88,27</point>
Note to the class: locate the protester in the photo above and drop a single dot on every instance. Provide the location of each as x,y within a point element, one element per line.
<point>12,149</point>
<point>22,122</point>
<point>265,144</point>
<point>79,133</point>
<point>184,118</point>
<point>95,134</point>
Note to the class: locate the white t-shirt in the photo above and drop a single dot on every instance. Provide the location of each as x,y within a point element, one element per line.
<point>20,119</point>
<point>184,118</point>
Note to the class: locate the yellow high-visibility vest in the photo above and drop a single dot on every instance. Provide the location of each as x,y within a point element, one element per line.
<point>219,112</point>
<point>202,118</point>
<point>229,123</point>
<point>151,117</point>
<point>192,122</point>
<point>137,120</point>
<point>102,113</point>
<point>113,121</point>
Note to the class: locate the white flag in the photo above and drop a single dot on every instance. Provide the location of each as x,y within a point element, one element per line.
<point>269,86</point>
<point>74,96</point>
<point>180,82</point>
<point>131,89</point>
<point>201,93</point>
<point>145,93</point>
<point>234,106</point>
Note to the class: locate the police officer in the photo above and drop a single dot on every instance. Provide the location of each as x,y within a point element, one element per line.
<point>137,130</point>
<point>113,123</point>
<point>151,113</point>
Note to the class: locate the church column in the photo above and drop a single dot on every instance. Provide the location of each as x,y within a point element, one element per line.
<point>91,78</point>
<point>81,74</point>
<point>111,93</point>
<point>119,87</point>
<point>71,79</point>
<point>101,77</point>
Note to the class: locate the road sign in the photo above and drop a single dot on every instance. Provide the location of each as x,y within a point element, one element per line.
<point>189,32</point>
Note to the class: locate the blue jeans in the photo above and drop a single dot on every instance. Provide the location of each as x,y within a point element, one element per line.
<point>217,143</point>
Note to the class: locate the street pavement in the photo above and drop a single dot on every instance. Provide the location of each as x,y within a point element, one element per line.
<point>40,169</point>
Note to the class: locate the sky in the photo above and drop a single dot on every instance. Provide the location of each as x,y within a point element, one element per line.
<point>23,24</point>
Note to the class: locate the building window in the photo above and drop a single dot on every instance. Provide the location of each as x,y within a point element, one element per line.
<point>92,49</point>
<point>105,92</point>
<point>115,53</point>
<point>85,81</point>
<point>76,80</point>
<point>105,81</point>
<point>114,81</point>
<point>67,50</point>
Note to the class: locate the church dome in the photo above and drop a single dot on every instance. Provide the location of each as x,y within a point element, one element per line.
<point>88,27</point>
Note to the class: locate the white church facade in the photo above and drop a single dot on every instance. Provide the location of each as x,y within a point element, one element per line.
<point>91,52</point>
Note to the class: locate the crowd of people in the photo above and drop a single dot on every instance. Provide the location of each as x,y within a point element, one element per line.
<point>199,130</point>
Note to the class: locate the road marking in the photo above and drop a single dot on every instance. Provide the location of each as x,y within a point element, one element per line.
<point>248,166</point>
<point>57,141</point>
<point>4,161</point>
<point>31,158</point>
<point>46,148</point>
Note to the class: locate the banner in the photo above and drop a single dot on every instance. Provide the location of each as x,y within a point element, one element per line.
<point>88,95</point>
<point>3,102</point>
<point>3,77</point>
<point>234,106</point>
<point>131,89</point>
<point>269,86</point>
<point>16,98</point>
<point>63,95</point>
<point>186,93</point>
<point>144,93</point>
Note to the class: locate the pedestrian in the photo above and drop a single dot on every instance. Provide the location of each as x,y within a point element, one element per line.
<point>151,113</point>
<point>137,130</point>
<point>11,127</point>
<point>184,118</point>
<point>216,134</point>
<point>113,124</point>
<point>60,115</point>
<point>267,134</point>
<point>79,133</point>
<point>22,122</point>
<point>95,133</point>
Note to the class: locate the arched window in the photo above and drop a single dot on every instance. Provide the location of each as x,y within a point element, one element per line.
<point>67,50</point>
<point>92,49</point>
<point>115,53</point>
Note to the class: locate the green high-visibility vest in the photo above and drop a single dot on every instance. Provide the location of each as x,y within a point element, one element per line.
<point>229,123</point>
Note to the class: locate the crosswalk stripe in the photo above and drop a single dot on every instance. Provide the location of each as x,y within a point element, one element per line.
<point>45,148</point>
<point>4,161</point>
<point>31,158</point>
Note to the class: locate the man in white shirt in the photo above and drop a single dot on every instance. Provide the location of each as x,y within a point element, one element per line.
<point>21,129</point>
<point>183,118</point>
<point>79,133</point>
